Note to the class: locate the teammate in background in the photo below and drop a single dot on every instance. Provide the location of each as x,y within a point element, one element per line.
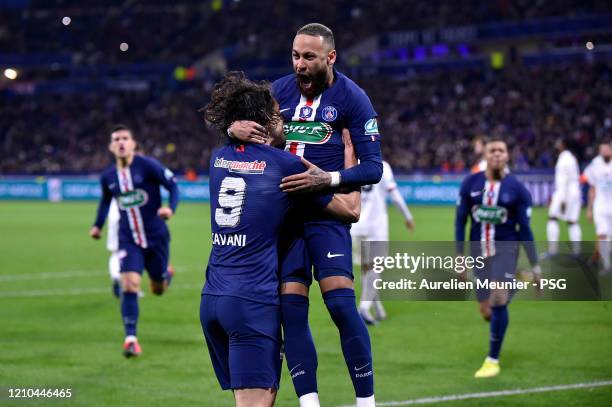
<point>240,307</point>
<point>112,245</point>
<point>498,203</point>
<point>144,241</point>
<point>373,225</point>
<point>481,164</point>
<point>599,177</point>
<point>317,102</point>
<point>566,200</point>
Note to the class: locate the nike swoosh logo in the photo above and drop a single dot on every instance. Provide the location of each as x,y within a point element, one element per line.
<point>472,194</point>
<point>359,368</point>
<point>331,256</point>
<point>295,367</point>
<point>508,275</point>
<point>284,110</point>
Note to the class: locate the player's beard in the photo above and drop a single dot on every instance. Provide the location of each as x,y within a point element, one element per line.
<point>312,85</point>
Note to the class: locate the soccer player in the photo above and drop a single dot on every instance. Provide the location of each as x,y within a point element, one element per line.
<point>498,204</point>
<point>599,177</point>
<point>112,245</point>
<point>240,308</point>
<point>373,225</point>
<point>566,200</point>
<point>134,181</point>
<point>317,102</point>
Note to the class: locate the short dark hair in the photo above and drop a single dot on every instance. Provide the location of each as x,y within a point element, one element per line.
<point>119,127</point>
<point>237,98</point>
<point>319,30</point>
<point>495,139</point>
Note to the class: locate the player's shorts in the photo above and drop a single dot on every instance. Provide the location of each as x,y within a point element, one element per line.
<point>244,341</point>
<point>572,208</point>
<point>603,223</point>
<point>500,268</point>
<point>328,249</point>
<point>377,249</point>
<point>154,258</point>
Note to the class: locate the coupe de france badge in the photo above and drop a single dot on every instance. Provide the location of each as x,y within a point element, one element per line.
<point>371,127</point>
<point>329,113</point>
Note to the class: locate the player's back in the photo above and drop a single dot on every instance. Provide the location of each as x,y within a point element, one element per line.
<point>247,210</point>
<point>567,172</point>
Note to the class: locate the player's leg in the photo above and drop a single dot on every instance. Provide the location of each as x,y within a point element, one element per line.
<point>603,229</point>
<point>368,293</point>
<point>156,264</point>
<point>132,263</point>
<point>254,349</point>
<point>217,340</point>
<point>115,274</point>
<point>381,249</point>
<point>329,247</point>
<point>573,226</point>
<point>299,347</point>
<point>552,227</point>
<point>483,293</point>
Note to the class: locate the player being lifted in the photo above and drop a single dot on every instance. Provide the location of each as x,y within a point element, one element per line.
<point>498,204</point>
<point>566,200</point>
<point>240,308</point>
<point>316,103</point>
<point>373,225</point>
<point>599,177</point>
<point>144,240</point>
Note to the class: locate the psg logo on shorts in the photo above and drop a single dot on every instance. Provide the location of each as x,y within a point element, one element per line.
<point>329,113</point>
<point>305,112</point>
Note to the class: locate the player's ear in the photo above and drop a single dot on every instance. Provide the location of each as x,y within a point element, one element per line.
<point>331,57</point>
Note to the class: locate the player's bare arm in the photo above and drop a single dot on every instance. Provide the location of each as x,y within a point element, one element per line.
<point>346,206</point>
<point>312,180</point>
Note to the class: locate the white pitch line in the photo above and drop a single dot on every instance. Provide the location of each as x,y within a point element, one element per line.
<point>65,274</point>
<point>80,291</point>
<point>499,393</point>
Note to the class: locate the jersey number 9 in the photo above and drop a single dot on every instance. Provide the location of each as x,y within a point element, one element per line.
<point>231,199</point>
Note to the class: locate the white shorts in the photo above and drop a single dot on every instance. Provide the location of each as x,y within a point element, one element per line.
<point>375,237</point>
<point>603,223</point>
<point>572,208</point>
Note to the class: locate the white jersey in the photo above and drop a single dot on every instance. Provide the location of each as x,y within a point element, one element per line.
<point>112,238</point>
<point>374,221</point>
<point>567,177</point>
<point>599,175</point>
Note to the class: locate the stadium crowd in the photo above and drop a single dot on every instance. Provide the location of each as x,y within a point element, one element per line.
<point>428,121</point>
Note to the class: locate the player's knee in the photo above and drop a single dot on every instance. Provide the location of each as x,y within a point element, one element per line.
<point>498,298</point>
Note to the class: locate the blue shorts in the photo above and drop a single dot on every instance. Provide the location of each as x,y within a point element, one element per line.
<point>499,268</point>
<point>244,341</point>
<point>154,258</point>
<point>324,245</point>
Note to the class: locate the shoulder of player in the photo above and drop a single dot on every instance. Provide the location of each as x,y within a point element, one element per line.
<point>108,172</point>
<point>350,88</point>
<point>147,161</point>
<point>473,178</point>
<point>282,85</point>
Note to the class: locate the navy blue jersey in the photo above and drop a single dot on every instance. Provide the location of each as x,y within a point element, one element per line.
<point>137,190</point>
<point>313,127</point>
<point>247,208</point>
<point>499,211</point>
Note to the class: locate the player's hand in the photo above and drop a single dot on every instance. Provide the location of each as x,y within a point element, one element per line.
<point>248,131</point>
<point>95,232</point>
<point>311,180</point>
<point>562,207</point>
<point>165,213</point>
<point>410,224</point>
<point>590,214</point>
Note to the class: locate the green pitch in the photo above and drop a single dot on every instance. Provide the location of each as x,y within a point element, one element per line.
<point>61,327</point>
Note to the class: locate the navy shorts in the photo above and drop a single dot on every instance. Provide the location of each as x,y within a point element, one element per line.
<point>244,341</point>
<point>324,245</point>
<point>154,258</point>
<point>499,268</point>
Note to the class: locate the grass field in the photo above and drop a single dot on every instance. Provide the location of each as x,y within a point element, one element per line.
<point>61,327</point>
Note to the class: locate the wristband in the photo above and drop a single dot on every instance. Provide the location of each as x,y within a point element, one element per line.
<point>229,133</point>
<point>335,178</point>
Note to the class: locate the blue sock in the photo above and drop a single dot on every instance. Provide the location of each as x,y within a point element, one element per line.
<point>300,350</point>
<point>499,323</point>
<point>129,312</point>
<point>354,338</point>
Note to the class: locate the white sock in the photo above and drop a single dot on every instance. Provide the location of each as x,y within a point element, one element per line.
<point>366,401</point>
<point>130,338</point>
<point>604,252</point>
<point>552,234</point>
<point>490,359</point>
<point>113,266</point>
<point>575,235</point>
<point>310,400</point>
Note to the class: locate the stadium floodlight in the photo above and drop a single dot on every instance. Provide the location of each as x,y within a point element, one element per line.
<point>66,20</point>
<point>10,73</point>
<point>124,46</point>
<point>589,45</point>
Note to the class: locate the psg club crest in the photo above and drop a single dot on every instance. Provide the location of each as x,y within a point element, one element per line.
<point>329,113</point>
<point>305,112</point>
